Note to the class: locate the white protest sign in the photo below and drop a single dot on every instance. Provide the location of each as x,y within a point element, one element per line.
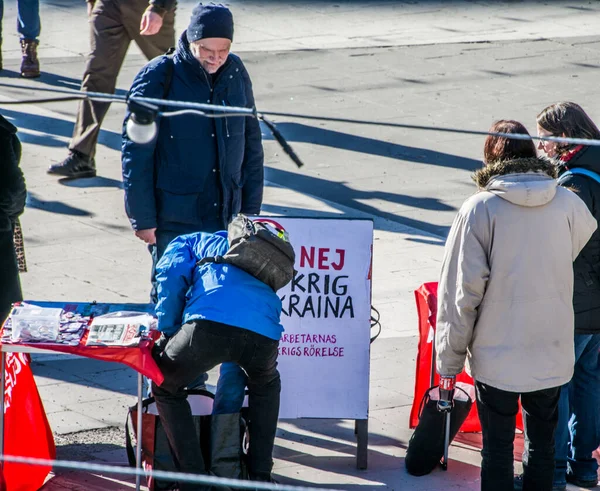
<point>324,351</point>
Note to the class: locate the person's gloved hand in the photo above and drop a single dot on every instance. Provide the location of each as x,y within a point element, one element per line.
<point>447,385</point>
<point>159,345</point>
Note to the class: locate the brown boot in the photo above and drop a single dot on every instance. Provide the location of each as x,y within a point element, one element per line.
<point>30,65</point>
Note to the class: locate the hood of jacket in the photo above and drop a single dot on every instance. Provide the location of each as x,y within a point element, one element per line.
<point>524,182</point>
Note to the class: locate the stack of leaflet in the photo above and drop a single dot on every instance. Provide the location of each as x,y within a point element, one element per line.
<point>120,329</point>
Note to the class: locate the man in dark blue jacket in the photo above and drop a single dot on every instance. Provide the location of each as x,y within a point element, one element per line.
<point>200,171</point>
<point>214,313</point>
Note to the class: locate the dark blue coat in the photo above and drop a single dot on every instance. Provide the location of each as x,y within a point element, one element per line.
<point>199,171</point>
<point>586,290</point>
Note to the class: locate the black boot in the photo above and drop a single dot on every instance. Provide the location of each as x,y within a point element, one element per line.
<point>76,165</point>
<point>226,446</point>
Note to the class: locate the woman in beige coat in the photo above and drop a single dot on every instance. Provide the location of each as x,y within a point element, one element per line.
<point>505,301</point>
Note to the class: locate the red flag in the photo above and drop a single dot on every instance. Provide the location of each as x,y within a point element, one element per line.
<point>426,296</point>
<point>27,432</point>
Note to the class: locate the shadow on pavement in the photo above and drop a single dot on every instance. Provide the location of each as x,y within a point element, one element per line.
<point>87,372</point>
<point>340,192</point>
<point>48,78</point>
<point>52,132</point>
<point>93,182</point>
<point>396,478</point>
<point>55,207</point>
<point>83,481</point>
<point>331,435</point>
<point>299,132</point>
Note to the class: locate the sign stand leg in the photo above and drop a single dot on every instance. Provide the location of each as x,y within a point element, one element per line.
<point>2,383</point>
<point>138,444</point>
<point>361,428</point>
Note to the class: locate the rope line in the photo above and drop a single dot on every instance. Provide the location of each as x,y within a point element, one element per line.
<point>227,111</point>
<point>163,475</point>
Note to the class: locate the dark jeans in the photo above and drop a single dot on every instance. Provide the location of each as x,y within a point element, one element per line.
<point>497,413</point>
<point>156,251</point>
<point>578,430</point>
<point>198,347</point>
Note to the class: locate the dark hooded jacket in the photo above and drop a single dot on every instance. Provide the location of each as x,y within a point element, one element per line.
<point>12,204</point>
<point>586,294</point>
<point>199,171</point>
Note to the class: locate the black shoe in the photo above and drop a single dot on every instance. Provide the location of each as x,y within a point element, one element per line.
<point>76,165</point>
<point>518,484</point>
<point>262,478</point>
<point>582,483</point>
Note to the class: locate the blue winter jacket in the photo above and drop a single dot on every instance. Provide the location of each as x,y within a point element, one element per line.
<point>217,292</point>
<point>167,181</point>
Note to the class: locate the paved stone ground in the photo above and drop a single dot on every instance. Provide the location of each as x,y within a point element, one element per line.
<point>460,64</point>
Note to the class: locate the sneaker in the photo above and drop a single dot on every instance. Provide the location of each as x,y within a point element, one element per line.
<point>518,484</point>
<point>75,166</point>
<point>582,483</point>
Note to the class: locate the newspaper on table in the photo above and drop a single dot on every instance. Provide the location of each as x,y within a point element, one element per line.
<point>119,329</point>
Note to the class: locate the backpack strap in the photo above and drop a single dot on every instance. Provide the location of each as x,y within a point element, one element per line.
<point>211,259</point>
<point>578,170</point>
<point>168,72</point>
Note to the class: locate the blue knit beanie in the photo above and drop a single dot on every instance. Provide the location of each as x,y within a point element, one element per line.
<point>210,21</point>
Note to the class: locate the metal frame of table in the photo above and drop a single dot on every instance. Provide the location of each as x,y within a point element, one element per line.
<point>15,348</point>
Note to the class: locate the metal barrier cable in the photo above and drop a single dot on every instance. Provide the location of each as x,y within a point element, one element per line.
<point>244,111</point>
<point>164,475</point>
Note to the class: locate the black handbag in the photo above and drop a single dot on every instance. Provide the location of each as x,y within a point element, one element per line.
<point>222,439</point>
<point>426,445</point>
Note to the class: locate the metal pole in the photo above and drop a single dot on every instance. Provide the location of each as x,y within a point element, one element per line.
<point>362,443</point>
<point>2,382</point>
<point>138,445</point>
<point>446,440</point>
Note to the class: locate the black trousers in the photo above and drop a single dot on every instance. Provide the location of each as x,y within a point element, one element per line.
<point>497,413</point>
<point>196,348</point>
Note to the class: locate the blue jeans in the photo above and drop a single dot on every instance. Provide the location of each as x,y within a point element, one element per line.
<point>28,18</point>
<point>578,430</point>
<point>231,389</point>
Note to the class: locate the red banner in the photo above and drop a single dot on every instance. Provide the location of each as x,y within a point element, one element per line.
<point>426,296</point>
<point>26,429</point>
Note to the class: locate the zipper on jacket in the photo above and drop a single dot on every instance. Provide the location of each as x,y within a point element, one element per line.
<point>226,125</point>
<point>208,82</point>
